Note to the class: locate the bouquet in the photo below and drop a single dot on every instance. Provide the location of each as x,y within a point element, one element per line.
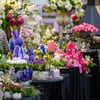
<point>85,27</point>
<point>67,5</point>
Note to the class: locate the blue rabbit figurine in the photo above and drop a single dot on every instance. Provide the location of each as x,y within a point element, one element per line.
<point>31,55</point>
<point>19,51</point>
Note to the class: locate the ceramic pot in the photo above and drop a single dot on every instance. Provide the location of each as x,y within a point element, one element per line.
<point>40,75</point>
<point>17,96</point>
<point>63,19</point>
<point>8,95</point>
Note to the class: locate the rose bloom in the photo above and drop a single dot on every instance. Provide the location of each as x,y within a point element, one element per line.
<point>19,86</point>
<point>13,21</point>
<point>6,87</point>
<point>20,20</point>
<point>9,16</point>
<point>12,86</point>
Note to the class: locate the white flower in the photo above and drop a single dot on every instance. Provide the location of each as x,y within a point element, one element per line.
<point>53,6</point>
<point>3,16</point>
<point>0,22</point>
<point>77,14</point>
<point>60,3</point>
<point>38,18</point>
<point>25,16</point>
<point>78,7</point>
<point>68,7</point>
<point>54,1</point>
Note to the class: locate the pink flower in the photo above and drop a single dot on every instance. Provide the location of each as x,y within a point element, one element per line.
<point>6,87</point>
<point>9,16</point>
<point>13,21</point>
<point>28,38</point>
<point>49,26</point>
<point>19,86</point>
<point>20,20</point>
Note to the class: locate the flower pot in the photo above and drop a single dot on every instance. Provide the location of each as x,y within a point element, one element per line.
<point>63,19</point>
<point>44,75</point>
<point>17,96</point>
<point>8,95</point>
<point>40,75</point>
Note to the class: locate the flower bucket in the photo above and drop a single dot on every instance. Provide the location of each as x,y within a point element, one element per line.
<point>17,96</point>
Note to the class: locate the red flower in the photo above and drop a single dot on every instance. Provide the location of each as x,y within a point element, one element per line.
<point>3,84</point>
<point>6,87</point>
<point>12,86</point>
<point>20,20</point>
<point>13,21</point>
<point>9,16</point>
<point>19,86</point>
<point>74,17</point>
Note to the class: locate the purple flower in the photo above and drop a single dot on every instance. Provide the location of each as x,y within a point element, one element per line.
<point>39,60</point>
<point>42,59</point>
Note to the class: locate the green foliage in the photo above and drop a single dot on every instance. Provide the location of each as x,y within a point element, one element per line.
<point>30,92</point>
<point>62,63</point>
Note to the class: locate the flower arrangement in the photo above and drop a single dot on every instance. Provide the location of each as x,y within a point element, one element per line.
<point>13,88</point>
<point>30,92</point>
<point>40,65</point>
<point>85,27</point>
<point>10,16</point>
<point>29,38</point>
<point>89,61</point>
<point>61,63</point>
<point>76,16</point>
<point>64,4</point>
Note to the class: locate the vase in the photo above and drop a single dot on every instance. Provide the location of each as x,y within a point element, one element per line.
<point>63,19</point>
<point>8,95</point>
<point>88,70</point>
<point>44,75</point>
<point>17,96</point>
<point>40,75</point>
<point>16,27</point>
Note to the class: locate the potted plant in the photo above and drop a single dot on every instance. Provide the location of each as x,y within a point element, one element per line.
<point>30,93</point>
<point>16,91</point>
<point>40,69</point>
<point>61,63</point>
<point>88,63</point>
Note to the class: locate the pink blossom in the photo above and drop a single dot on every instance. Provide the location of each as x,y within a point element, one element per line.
<point>20,20</point>
<point>13,21</point>
<point>9,16</point>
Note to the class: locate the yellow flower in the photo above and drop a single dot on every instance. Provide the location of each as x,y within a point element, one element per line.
<point>5,77</point>
<point>2,76</point>
<point>59,12</point>
<point>6,74</point>
<point>6,82</point>
<point>77,20</point>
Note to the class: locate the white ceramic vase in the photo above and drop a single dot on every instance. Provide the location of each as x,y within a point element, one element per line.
<point>17,96</point>
<point>8,95</point>
<point>63,19</point>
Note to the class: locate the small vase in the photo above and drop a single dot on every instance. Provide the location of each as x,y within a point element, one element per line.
<point>44,75</point>
<point>8,95</point>
<point>17,96</point>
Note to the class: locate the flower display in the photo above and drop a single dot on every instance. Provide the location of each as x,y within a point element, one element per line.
<point>40,65</point>
<point>64,4</point>
<point>85,27</point>
<point>29,37</point>
<point>88,61</point>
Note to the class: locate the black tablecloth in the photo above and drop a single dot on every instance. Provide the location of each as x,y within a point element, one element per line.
<point>78,90</point>
<point>95,71</point>
<point>51,89</point>
<point>28,98</point>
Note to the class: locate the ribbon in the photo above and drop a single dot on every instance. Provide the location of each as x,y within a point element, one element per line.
<point>22,54</point>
